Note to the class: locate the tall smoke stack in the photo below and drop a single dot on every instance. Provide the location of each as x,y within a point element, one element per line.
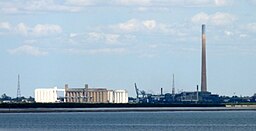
<point>173,87</point>
<point>203,71</point>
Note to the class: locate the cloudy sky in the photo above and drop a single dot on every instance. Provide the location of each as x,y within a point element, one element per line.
<point>114,43</point>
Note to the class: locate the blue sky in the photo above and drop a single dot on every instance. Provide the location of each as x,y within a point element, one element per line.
<point>115,43</point>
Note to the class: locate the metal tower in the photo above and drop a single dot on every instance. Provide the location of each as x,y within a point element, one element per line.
<point>18,89</point>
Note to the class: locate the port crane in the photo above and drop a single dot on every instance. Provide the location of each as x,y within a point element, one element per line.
<point>139,93</point>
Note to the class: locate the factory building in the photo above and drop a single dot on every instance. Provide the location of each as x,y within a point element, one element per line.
<point>120,96</point>
<point>75,95</point>
<point>117,96</point>
<point>81,95</point>
<point>86,95</point>
<point>110,96</point>
<point>97,95</point>
<point>47,95</point>
<point>94,95</point>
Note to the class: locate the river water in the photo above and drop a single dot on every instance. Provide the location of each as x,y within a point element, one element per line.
<point>129,121</point>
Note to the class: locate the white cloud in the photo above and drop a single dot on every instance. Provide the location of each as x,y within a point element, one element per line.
<point>107,51</point>
<point>147,55</point>
<point>98,51</point>
<point>218,18</point>
<point>48,5</point>
<point>149,27</point>
<point>200,18</point>
<point>142,9</point>
<point>228,33</point>
<point>134,25</point>
<point>222,18</point>
<point>183,3</point>
<point>104,37</point>
<point>80,2</point>
<point>200,3</point>
<point>134,2</point>
<point>149,24</point>
<point>22,29</point>
<point>34,6</point>
<point>130,25</point>
<point>223,2</point>
<point>30,42</point>
<point>73,35</point>
<point>37,30</point>
<point>5,25</point>
<point>152,9</point>
<point>112,38</point>
<point>251,27</point>
<point>194,2</point>
<point>38,5</point>
<point>94,36</point>
<point>129,37</point>
<point>44,29</point>
<point>9,10</point>
<point>243,35</point>
<point>28,50</point>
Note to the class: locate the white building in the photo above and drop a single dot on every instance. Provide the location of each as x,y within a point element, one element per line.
<point>117,96</point>
<point>110,96</point>
<point>120,96</point>
<point>47,95</point>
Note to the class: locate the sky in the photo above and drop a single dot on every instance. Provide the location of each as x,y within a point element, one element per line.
<point>115,43</point>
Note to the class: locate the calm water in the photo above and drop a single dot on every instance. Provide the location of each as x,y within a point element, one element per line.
<point>128,121</point>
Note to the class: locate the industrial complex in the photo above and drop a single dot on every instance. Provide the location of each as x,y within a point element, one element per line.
<point>103,95</point>
<point>80,95</point>
<point>203,96</point>
<point>92,95</point>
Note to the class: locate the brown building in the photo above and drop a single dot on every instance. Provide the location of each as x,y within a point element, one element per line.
<point>86,95</point>
<point>97,95</point>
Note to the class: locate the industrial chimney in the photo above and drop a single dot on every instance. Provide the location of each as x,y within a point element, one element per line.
<point>203,71</point>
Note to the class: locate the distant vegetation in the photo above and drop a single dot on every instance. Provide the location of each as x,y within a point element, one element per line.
<point>7,99</point>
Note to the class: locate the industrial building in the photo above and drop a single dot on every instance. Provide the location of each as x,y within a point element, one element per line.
<point>120,96</point>
<point>203,96</point>
<point>95,95</point>
<point>86,95</point>
<point>81,95</point>
<point>47,95</point>
<point>111,96</point>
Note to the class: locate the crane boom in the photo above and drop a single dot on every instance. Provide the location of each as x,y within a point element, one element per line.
<point>137,90</point>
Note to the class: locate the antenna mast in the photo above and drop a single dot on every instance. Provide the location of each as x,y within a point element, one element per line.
<point>18,89</point>
<point>173,86</point>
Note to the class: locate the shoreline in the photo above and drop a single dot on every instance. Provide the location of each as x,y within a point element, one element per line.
<point>133,109</point>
